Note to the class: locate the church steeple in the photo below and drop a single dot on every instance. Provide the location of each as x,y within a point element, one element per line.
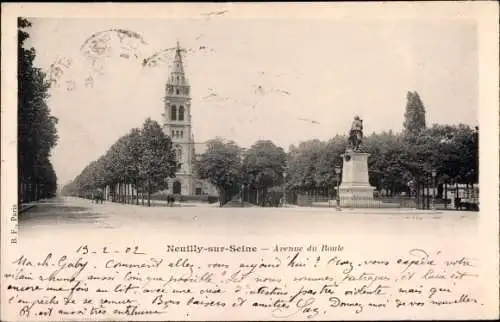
<point>177,92</point>
<point>177,125</point>
<point>177,79</point>
<point>178,67</point>
<point>177,121</point>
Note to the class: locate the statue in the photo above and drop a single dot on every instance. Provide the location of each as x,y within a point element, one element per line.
<point>356,134</point>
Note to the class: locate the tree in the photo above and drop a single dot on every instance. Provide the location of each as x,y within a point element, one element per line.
<point>158,161</point>
<point>135,149</point>
<point>414,114</point>
<point>221,165</point>
<point>37,133</point>
<point>263,167</point>
<point>302,162</point>
<point>330,157</point>
<point>387,164</point>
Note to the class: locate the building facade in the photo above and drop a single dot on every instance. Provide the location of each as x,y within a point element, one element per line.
<point>177,123</point>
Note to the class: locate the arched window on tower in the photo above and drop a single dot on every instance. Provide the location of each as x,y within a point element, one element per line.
<point>177,92</point>
<point>181,113</point>
<point>173,113</point>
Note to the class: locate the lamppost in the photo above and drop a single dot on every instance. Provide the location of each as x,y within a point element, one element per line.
<point>433,172</point>
<point>284,188</point>
<point>337,178</point>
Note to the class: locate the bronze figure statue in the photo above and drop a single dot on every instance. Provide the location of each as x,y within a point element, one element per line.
<point>356,134</point>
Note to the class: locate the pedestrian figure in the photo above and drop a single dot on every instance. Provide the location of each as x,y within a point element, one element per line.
<point>170,200</point>
<point>458,203</point>
<point>98,197</point>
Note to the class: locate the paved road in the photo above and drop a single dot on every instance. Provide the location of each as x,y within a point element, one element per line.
<point>73,217</point>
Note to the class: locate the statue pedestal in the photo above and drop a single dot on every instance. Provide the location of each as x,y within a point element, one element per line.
<point>355,190</point>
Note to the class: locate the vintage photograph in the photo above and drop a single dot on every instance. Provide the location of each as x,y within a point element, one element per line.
<point>191,116</point>
<point>249,162</point>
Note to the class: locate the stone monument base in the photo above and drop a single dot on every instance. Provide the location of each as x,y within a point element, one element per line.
<point>357,197</point>
<point>355,190</point>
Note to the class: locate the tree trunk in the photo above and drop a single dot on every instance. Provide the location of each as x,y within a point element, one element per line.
<point>136,193</point>
<point>445,196</point>
<point>419,195</point>
<point>149,193</point>
<point>221,197</point>
<point>428,194</point>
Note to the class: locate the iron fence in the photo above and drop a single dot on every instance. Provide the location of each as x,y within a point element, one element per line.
<point>330,201</point>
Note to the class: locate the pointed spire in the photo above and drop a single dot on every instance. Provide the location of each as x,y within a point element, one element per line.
<point>178,67</point>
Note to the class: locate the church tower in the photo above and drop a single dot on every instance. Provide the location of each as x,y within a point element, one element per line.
<point>177,125</point>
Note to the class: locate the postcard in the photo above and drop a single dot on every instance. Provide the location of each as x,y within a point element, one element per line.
<point>250,161</point>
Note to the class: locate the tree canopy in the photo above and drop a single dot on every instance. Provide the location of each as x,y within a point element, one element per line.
<point>143,158</point>
<point>220,164</point>
<point>263,165</point>
<point>414,114</point>
<point>37,132</point>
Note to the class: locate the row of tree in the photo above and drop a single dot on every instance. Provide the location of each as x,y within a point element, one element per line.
<point>143,159</point>
<point>36,127</point>
<point>231,168</point>
<point>398,162</point>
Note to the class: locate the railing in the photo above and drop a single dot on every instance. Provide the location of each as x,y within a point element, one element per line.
<point>355,202</point>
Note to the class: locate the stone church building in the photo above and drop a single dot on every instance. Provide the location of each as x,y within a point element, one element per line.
<point>177,123</point>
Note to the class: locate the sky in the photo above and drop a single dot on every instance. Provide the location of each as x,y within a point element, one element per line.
<point>287,79</point>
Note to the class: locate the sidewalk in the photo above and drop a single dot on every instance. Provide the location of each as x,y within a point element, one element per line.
<point>163,203</point>
<point>27,206</point>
